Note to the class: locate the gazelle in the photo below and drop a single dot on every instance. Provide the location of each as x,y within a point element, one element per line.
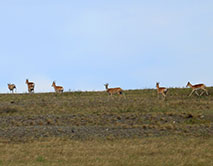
<point>11,87</point>
<point>30,86</point>
<point>161,90</point>
<point>197,87</point>
<point>58,89</point>
<point>112,91</point>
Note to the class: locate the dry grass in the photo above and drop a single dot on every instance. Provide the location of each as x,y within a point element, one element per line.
<point>175,131</point>
<point>136,101</point>
<point>161,151</point>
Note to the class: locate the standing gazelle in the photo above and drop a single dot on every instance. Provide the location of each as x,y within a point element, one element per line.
<point>30,86</point>
<point>111,91</point>
<point>11,87</point>
<point>58,89</point>
<point>161,90</point>
<point>197,87</point>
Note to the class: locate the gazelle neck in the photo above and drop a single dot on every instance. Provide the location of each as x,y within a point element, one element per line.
<point>54,85</point>
<point>189,84</point>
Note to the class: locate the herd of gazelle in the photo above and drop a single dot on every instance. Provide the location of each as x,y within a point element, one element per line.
<point>160,90</point>
<point>195,88</point>
<point>31,87</point>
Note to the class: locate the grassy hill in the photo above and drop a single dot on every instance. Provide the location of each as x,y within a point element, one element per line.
<point>80,119</point>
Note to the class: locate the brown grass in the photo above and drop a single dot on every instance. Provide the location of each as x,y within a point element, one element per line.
<point>184,125</point>
<point>161,151</point>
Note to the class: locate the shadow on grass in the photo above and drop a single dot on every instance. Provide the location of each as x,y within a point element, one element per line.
<point>8,110</point>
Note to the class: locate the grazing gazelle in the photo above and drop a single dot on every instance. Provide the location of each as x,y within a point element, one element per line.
<point>197,87</point>
<point>30,86</point>
<point>58,89</point>
<point>161,90</point>
<point>111,91</point>
<point>11,87</point>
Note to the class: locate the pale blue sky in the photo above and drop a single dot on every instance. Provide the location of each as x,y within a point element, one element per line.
<point>86,43</point>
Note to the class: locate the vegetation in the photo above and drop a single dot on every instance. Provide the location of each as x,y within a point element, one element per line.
<point>161,151</point>
<point>93,128</point>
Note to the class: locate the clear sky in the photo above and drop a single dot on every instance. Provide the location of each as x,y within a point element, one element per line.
<point>82,44</point>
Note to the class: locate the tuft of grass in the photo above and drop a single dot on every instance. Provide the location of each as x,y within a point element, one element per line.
<point>40,159</point>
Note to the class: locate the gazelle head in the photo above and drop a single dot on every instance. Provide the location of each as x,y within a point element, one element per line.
<point>53,84</point>
<point>106,85</point>
<point>188,84</point>
<point>27,81</point>
<point>157,84</point>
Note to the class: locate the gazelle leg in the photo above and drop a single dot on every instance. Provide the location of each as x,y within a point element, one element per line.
<point>191,92</point>
<point>202,93</point>
<point>163,94</point>
<point>204,90</point>
<point>207,92</point>
<point>196,93</point>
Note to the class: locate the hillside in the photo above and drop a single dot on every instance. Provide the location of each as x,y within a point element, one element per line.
<point>86,115</point>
